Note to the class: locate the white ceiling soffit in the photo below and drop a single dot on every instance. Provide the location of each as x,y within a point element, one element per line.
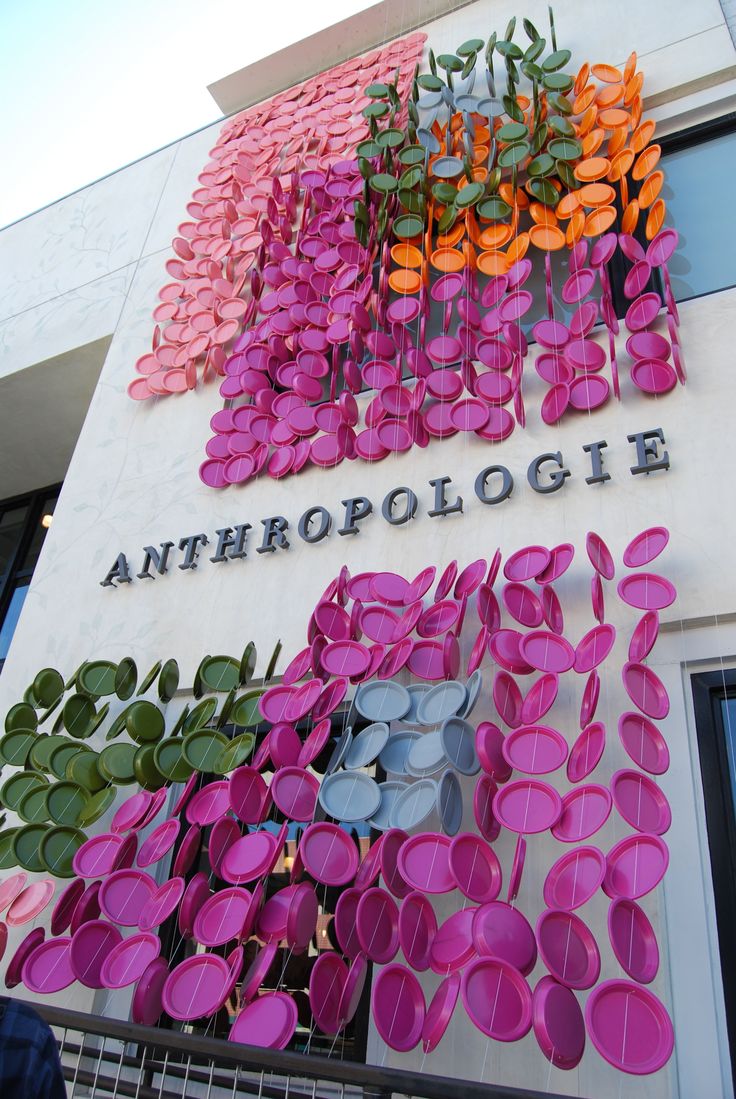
<point>349,38</point>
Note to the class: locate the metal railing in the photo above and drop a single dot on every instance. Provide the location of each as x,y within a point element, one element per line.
<point>104,1058</point>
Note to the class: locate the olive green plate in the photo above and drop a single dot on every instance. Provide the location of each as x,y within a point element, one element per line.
<point>26,843</point>
<point>247,663</point>
<point>245,712</point>
<point>97,677</point>
<point>48,687</point>
<point>51,710</point>
<point>126,678</point>
<point>148,680</point>
<point>61,755</point>
<point>16,786</point>
<point>168,681</point>
<point>115,763</point>
<point>234,754</point>
<point>32,805</point>
<point>7,858</point>
<point>65,801</point>
<point>202,747</point>
<point>84,770</point>
<point>118,724</point>
<point>200,715</point>
<point>197,686</point>
<point>169,760</point>
<point>224,714</point>
<point>146,772</point>
<point>21,716</point>
<point>144,722</point>
<point>102,714</point>
<point>271,666</point>
<point>58,848</point>
<point>42,749</point>
<point>15,746</point>
<point>78,714</point>
<point>220,673</point>
<point>96,805</point>
<point>180,721</point>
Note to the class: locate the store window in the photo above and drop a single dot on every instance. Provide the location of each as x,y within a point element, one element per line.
<point>714,697</point>
<point>24,523</point>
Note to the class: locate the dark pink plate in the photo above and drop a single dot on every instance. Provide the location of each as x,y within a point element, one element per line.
<point>131,812</point>
<point>635,866</point>
<point>426,660</point>
<point>527,806</point>
<point>470,578</point>
<point>641,802</point>
<point>353,989</point>
<point>345,929</point>
<point>157,801</point>
<point>223,835</point>
<point>645,547</point>
<point>257,971</point>
<point>377,925</point>
<point>594,647</point>
<point>600,555</point>
<point>194,988</point>
<point>574,878</point>
<point>248,858</point>
<point>301,919</point>
<point>547,651</point>
<point>294,792</point>
<point>452,947</point>
<point>596,597</point>
<point>123,895</point>
<point>540,698</point>
<point>329,854</point>
<point>489,747</point>
<point>629,1027</point>
<point>417,929</point>
<point>497,999</point>
<point>653,376</point>
<point>326,984</point>
<point>644,743</point>
<point>424,863</point>
<point>646,690</point>
<point>314,743</point>
<point>586,752</point>
<point>552,610</point>
<point>393,841</point>
<point>589,704</point>
<point>647,591</point>
<point>558,1023</point>
<point>147,1006</point>
<point>568,948</point>
<point>97,856</point>
<point>522,604</point>
<point>502,931</point>
<point>47,968</point>
<point>507,699</point>
<point>129,960</point>
<point>535,749</point>
<point>584,810</point>
<point>559,561</point>
<point>527,563</point>
<point>24,949</point>
<point>370,866</point>
<point>196,893</point>
<point>633,940</point>
<point>247,793</point>
<point>222,916</point>
<point>186,793</point>
<point>268,1021</point>
<point>161,904</point>
<point>87,907</point>
<point>445,582</point>
<point>159,843</point>
<point>644,637</point>
<point>398,1007</point>
<point>89,947</point>
<point>209,804</point>
<point>437,619</point>
<point>66,902</point>
<point>485,791</point>
<point>440,1012</point>
<point>348,658</point>
<point>475,868</point>
<point>273,702</point>
<point>517,869</point>
<point>589,391</point>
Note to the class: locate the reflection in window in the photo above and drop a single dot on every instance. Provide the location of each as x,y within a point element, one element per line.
<point>12,615</point>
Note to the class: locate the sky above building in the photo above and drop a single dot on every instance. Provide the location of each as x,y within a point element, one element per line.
<point>87,86</point>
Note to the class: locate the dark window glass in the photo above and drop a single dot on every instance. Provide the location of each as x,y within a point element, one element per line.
<point>12,525</point>
<point>17,599</point>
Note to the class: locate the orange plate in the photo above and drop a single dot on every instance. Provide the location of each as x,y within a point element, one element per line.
<point>613,117</point>
<point>630,68</point>
<point>584,100</point>
<point>406,255</point>
<point>617,140</point>
<point>587,122</point>
<point>642,135</point>
<point>655,218</point>
<point>632,88</point>
<point>493,263</point>
<point>599,220</point>
<point>609,95</point>
<point>650,189</point>
<point>636,109</point>
<point>621,164</point>
<point>548,238</point>
<point>447,259</point>
<point>517,249</point>
<point>607,73</point>
<point>593,141</point>
<point>541,214</point>
<point>595,167</point>
<point>404,281</point>
<point>647,161</point>
<point>567,205</point>
<point>575,227</point>
<point>495,236</point>
<point>623,189</point>
<point>630,217</point>
<point>581,79</point>
<point>597,194</point>
<point>453,237</point>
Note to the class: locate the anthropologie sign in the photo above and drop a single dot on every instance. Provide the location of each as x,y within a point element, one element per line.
<point>494,484</point>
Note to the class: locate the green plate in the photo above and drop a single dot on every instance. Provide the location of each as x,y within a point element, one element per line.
<point>198,686</point>
<point>96,805</point>
<point>390,138</point>
<point>78,714</point>
<point>469,195</point>
<point>513,153</point>
<point>408,226</point>
<point>15,746</point>
<point>377,91</point>
<point>542,165</point>
<point>48,686</point>
<point>32,806</point>
<point>29,698</point>
<point>7,858</point>
<point>83,769</point>
<point>180,721</point>
<point>234,754</point>
<point>40,754</point>
<point>21,716</point>
<point>146,772</point>
<point>544,191</point>
<point>368,149</point>
<point>65,801</point>
<point>383,183</point>
<point>61,755</point>
<point>102,714</point>
<point>50,710</point>
<point>144,722</point>
<point>148,680</point>
<point>556,60</point>
<point>118,724</point>
<point>26,844</point>
<point>224,714</point>
<point>57,849</point>
<point>220,673</point>
<point>13,789</point>
<point>168,681</point>
<point>97,677</point>
<point>170,761</point>
<point>565,148</point>
<point>271,666</point>
<point>493,208</point>
<point>202,747</point>
<point>71,681</point>
<point>245,712</point>
<point>116,763</point>
<point>412,154</point>
<point>202,713</point>
<point>126,678</point>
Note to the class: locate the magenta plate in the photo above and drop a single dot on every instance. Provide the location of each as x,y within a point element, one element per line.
<point>644,636</point>
<point>89,947</point>
<point>596,597</point>
<point>593,649</point>
<point>642,311</point>
<point>662,247</point>
<point>48,968</point>
<point>97,856</point>
<point>437,619</point>
<point>131,812</point>
<point>440,1012</point>
<point>247,793</point>
<point>160,841</point>
<point>388,587</point>
<point>222,916</point>
<point>517,869</point>
<point>589,391</point>
<point>475,868</point>
<point>294,792</point>
<point>188,851</point>
<point>489,611</point>
<point>87,907</point>
<point>526,563</point>
<point>196,893</point>
<point>420,585</point>
<point>271,924</point>
<point>417,929</point>
<point>522,604</point>
<point>633,940</point>
<point>345,929</point>
<point>589,703</point>
<point>535,749</point>
<point>485,791</point>
<point>574,878</point>
<point>257,971</point>
<point>552,610</point>
<point>274,701</point>
<point>600,555</point>
<point>302,700</point>
<point>377,925</point>
<point>424,863</point>
<point>646,690</point>
<point>393,841</point>
<point>66,902</point>
<point>378,623</point>
<point>209,804</point>
<point>647,591</point>
<point>507,699</point>
<point>426,660</point>
<point>527,806</point>
<point>497,999</point>
<point>128,961</point>
<point>555,403</point>
<point>348,658</point>
<point>301,920</point>
<point>502,931</point>
<point>161,904</point>
<point>25,948</point>
<point>147,1006</point>
<point>568,948</point>
<point>194,988</point>
<point>540,698</point>
<point>629,1027</point>
<point>329,854</point>
<point>353,990</point>
<point>329,699</point>
<point>586,753</point>
<point>547,651</point>
<point>584,811</point>
<point>644,743</point>
<point>314,743</point>
<point>452,946</point>
<point>248,858</point>
<point>123,895</point>
<point>635,866</point>
<point>558,1023</point>
<point>653,376</point>
<point>284,743</point>
<point>641,802</point>
<point>489,748</point>
<point>326,984</point>
<point>398,1007</point>
<point>470,578</point>
<point>505,648</point>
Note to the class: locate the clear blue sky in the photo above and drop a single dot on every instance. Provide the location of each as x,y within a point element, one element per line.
<point>86,86</point>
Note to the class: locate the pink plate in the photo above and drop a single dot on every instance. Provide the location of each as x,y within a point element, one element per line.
<point>301,919</point>
<point>535,749</point>
<point>574,878</point>
<point>248,858</point>
<point>194,988</point>
<point>540,698</point>
<point>470,578</point>
<point>247,793</point>
<point>633,940</point>
<point>589,704</point>
<point>586,752</point>
<point>489,747</point>
<point>294,792</point>
<point>589,391</point>
<point>66,902</point>
<point>526,563</point>
<point>417,929</point>
<point>123,895</point>
<point>440,1012</point>
<point>11,887</point>
<point>507,699</point>
<point>48,968</point>
<point>188,850</point>
<point>87,907</point>
<point>552,610</point>
<point>128,961</point>
<point>398,1007</point>
<point>505,648</point>
<point>475,868</point>
<point>268,1021</point>
<point>370,866</point>
<point>97,856</point>
<point>353,989</point>
<point>653,376</point>
<point>424,863</point>
<point>502,931</point>
<point>326,984</point>
<point>629,1027</point>
<point>209,804</point>
<point>329,854</point>
<point>30,903</point>
<point>485,792</point>
<point>596,597</point>
<point>89,947</point>
<point>547,651</point>
<point>559,561</point>
<point>131,812</point>
<point>160,841</point>
<point>344,922</point>
<point>161,904</point>
<point>584,811</point>
<point>645,547</point>
<point>157,801</point>
<point>196,893</point>
<point>497,999</point>
<point>222,916</point>
<point>644,743</point>
<point>646,690</point>
<point>377,925</point>
<point>640,802</point>
<point>452,947</point>
<point>568,948</point>
<point>257,971</point>
<point>558,1023</point>
<point>600,555</point>
<point>393,841</point>
<point>594,647</point>
<point>223,835</point>
<point>644,636</point>
<point>24,950</point>
<point>647,591</point>
<point>314,743</point>
<point>517,869</point>
<point>147,1006</point>
<point>527,805</point>
<point>437,619</point>
<point>348,658</point>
